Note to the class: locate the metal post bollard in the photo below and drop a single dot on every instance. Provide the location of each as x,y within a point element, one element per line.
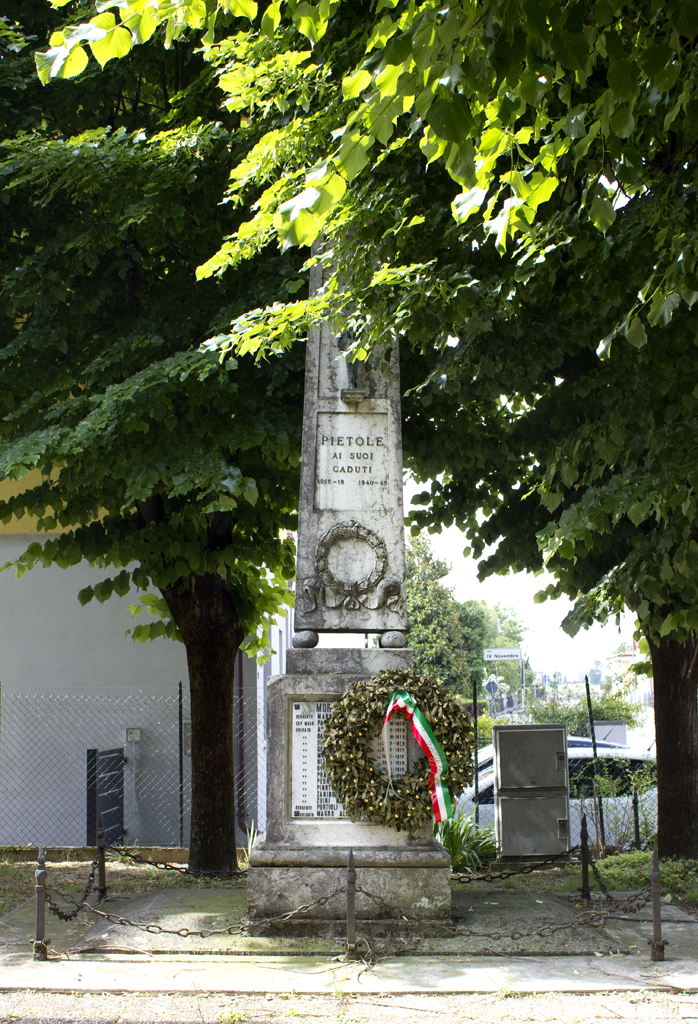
<point>101,863</point>
<point>586,893</point>
<point>40,951</point>
<point>656,943</point>
<point>351,907</point>
<point>636,817</point>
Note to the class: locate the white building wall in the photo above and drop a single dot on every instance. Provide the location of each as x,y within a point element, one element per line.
<point>72,680</point>
<point>49,643</point>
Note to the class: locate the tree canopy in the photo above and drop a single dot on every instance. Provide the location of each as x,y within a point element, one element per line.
<point>434,629</point>
<point>449,636</point>
<point>568,130</point>
<point>153,452</point>
<point>510,189</point>
<point>157,461</point>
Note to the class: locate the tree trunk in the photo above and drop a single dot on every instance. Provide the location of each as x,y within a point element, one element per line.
<point>208,620</point>
<point>676,721</point>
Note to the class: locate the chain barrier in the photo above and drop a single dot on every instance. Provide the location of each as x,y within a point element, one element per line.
<point>68,915</point>
<point>602,885</point>
<point>527,869</point>
<point>203,933</point>
<point>164,866</point>
<point>530,868</point>
<point>592,918</point>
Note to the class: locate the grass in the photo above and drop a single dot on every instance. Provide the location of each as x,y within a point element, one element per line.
<point>627,871</point>
<point>17,879</point>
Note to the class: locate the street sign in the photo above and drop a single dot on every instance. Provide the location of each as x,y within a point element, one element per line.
<point>503,654</point>
<point>491,687</point>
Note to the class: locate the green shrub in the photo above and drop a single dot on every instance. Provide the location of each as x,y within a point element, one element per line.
<point>628,871</point>
<point>607,707</point>
<point>470,848</point>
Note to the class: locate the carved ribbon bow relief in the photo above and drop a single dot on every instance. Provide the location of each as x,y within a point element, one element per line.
<point>373,591</point>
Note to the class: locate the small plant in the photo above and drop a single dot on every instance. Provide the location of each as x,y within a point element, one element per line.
<point>231,1017</point>
<point>470,848</point>
<point>252,834</point>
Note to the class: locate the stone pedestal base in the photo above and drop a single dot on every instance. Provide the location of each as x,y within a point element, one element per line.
<point>415,882</point>
<point>304,852</point>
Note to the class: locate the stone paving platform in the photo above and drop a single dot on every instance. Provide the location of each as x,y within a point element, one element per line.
<point>171,973</point>
<point>96,956</point>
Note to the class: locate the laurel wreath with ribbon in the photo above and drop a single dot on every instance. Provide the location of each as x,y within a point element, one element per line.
<point>441,727</point>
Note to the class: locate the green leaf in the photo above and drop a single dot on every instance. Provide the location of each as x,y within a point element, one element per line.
<point>74,64</point>
<point>623,122</point>
<point>44,63</point>
<point>465,205</point>
<point>542,188</point>
<point>655,59</point>
<point>683,16</point>
<point>451,119</point>
<point>352,157</point>
<point>354,85</point>
<point>636,334</point>
<point>531,88</point>
<point>241,8</point>
<point>116,43</point>
<point>271,19</point>
<point>602,214</point>
<point>571,49</point>
<point>662,308</point>
<point>312,21</point>
<point>622,79</point>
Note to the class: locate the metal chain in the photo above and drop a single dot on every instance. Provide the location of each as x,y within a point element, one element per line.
<point>526,870</point>
<point>602,885</point>
<point>593,918</point>
<point>164,866</point>
<point>68,915</point>
<point>204,933</point>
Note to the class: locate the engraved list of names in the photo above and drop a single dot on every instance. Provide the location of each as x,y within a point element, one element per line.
<point>311,793</point>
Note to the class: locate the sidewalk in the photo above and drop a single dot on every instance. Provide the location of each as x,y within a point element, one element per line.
<point>93,955</point>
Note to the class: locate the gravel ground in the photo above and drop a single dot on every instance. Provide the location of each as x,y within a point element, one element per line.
<point>45,1008</point>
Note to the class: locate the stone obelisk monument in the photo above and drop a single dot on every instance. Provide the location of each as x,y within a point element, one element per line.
<point>350,578</point>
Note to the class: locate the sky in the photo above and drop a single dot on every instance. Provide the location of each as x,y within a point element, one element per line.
<point>548,647</point>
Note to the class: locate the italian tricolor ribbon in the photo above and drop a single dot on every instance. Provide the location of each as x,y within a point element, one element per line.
<point>423,733</point>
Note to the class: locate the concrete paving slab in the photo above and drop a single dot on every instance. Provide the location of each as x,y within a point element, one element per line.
<point>484,924</point>
<point>308,975</point>
<point>473,956</point>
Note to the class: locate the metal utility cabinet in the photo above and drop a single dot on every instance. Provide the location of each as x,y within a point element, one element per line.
<point>531,790</point>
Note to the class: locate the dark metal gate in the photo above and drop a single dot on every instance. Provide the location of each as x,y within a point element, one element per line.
<point>105,795</point>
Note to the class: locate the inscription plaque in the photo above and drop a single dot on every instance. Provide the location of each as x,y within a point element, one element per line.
<point>311,794</point>
<point>351,464</point>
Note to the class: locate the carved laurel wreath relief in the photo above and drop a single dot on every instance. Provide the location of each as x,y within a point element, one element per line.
<point>373,591</point>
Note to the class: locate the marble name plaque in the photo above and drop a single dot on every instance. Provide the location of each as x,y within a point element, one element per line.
<point>311,793</point>
<point>352,461</point>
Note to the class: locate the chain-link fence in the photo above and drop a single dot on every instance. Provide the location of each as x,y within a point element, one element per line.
<point>64,757</point>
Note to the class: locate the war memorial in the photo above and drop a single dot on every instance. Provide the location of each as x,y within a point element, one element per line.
<point>350,578</point>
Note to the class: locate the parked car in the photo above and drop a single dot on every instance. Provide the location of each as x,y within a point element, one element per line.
<point>621,764</point>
